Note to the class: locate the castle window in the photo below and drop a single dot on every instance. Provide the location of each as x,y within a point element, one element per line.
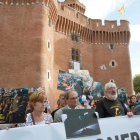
<point>112,26</point>
<point>84,20</point>
<point>62,7</point>
<point>48,75</point>
<point>49,22</point>
<point>75,36</point>
<point>97,24</point>
<point>48,45</point>
<point>76,15</point>
<point>113,63</point>
<point>68,12</point>
<point>75,54</point>
<point>111,46</point>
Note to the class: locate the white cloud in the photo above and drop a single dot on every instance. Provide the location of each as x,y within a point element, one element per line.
<point>135,72</point>
<point>100,9</point>
<point>135,32</point>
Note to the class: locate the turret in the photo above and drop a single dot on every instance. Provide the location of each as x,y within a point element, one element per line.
<point>75,4</point>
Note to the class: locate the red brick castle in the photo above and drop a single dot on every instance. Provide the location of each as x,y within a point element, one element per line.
<point>39,37</point>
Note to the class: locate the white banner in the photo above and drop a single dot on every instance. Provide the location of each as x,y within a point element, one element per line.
<point>114,128</point>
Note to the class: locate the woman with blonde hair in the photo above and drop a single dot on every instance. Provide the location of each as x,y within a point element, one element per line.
<point>37,103</point>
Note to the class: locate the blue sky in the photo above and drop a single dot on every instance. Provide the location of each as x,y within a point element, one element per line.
<point>108,10</point>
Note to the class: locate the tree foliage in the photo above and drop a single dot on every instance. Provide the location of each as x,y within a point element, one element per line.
<point>136,83</point>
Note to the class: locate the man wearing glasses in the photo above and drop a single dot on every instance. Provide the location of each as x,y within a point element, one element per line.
<point>111,106</point>
<point>71,100</point>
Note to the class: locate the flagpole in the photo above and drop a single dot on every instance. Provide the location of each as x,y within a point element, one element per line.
<point>124,11</point>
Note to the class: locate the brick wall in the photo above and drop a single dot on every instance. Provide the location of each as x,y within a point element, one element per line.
<point>25,58</point>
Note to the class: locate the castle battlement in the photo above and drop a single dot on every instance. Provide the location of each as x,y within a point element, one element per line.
<point>79,18</point>
<point>72,14</point>
<point>52,10</point>
<point>91,30</point>
<point>24,2</point>
<point>74,1</point>
<point>27,2</point>
<point>75,4</point>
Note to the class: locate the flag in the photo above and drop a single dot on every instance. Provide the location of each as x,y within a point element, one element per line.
<point>121,10</point>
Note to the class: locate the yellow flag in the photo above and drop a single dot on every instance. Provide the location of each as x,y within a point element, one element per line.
<point>121,10</point>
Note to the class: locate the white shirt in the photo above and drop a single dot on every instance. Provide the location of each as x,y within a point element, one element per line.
<point>69,107</point>
<point>38,123</point>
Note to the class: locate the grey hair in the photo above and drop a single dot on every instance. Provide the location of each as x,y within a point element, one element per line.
<point>68,92</point>
<point>62,94</point>
<point>109,85</point>
<point>137,96</point>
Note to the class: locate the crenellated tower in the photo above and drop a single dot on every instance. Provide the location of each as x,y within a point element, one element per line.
<point>26,43</point>
<point>40,37</point>
<point>103,49</point>
<point>75,4</point>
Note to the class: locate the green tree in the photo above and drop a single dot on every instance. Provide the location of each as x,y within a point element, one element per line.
<point>136,83</point>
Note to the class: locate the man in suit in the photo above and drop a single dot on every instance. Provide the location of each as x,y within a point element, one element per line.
<point>71,100</point>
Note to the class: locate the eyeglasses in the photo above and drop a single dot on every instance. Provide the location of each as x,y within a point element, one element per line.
<point>74,98</point>
<point>111,88</point>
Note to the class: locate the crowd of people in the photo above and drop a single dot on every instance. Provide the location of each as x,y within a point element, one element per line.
<point>109,106</point>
